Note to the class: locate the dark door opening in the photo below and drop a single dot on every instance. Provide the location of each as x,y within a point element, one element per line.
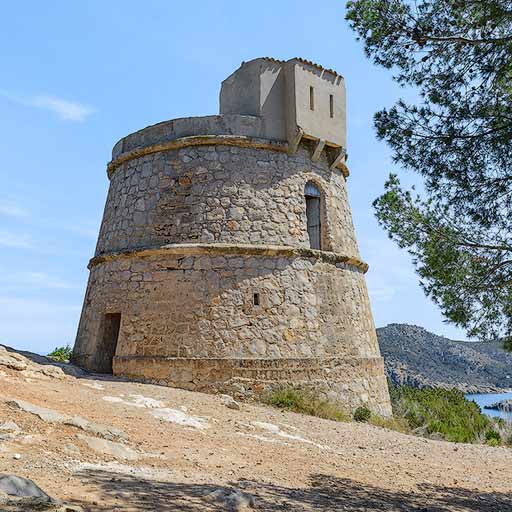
<point>108,345</point>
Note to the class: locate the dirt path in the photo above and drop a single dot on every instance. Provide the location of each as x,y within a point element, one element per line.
<point>170,450</point>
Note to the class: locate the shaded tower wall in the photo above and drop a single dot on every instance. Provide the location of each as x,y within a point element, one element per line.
<point>204,278</point>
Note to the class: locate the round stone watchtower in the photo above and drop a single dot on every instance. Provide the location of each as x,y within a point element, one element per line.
<point>227,259</point>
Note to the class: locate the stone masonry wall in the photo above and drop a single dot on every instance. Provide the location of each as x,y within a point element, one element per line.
<point>192,235</point>
<point>201,307</point>
<point>222,194</point>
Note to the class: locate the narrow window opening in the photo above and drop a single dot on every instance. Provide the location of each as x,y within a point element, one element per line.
<point>111,327</point>
<point>256,299</point>
<point>331,105</point>
<point>311,98</point>
<point>312,196</point>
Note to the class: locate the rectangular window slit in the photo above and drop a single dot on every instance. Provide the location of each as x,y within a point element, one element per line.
<point>331,105</point>
<point>256,299</point>
<point>311,98</point>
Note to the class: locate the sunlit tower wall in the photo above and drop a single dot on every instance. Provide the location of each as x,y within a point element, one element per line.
<point>227,258</point>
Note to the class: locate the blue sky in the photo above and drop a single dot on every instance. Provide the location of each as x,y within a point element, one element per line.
<point>77,76</point>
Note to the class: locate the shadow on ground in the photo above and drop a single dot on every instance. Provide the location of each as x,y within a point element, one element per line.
<point>125,493</point>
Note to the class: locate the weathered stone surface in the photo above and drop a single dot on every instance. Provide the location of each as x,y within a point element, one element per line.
<point>52,416</point>
<point>231,500</point>
<point>18,494</point>
<point>230,402</point>
<point>502,405</point>
<point>12,363</point>
<point>21,487</point>
<point>10,426</point>
<point>44,414</point>
<point>36,366</point>
<point>204,260</point>
<point>105,447</point>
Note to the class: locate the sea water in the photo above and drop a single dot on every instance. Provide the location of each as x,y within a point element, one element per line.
<point>483,399</point>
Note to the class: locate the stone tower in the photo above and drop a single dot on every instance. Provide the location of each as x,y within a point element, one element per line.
<point>227,258</point>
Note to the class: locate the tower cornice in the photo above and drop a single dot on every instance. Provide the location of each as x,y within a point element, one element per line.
<point>212,140</point>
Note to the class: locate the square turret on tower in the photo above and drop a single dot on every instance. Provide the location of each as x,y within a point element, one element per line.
<point>294,98</point>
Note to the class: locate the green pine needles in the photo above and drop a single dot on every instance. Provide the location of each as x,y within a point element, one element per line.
<point>456,136</point>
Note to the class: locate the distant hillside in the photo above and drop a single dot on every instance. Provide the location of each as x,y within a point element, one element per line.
<point>419,358</point>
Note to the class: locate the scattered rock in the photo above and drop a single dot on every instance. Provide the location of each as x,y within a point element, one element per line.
<point>118,468</point>
<point>12,363</point>
<point>25,496</point>
<point>53,371</point>
<point>21,487</point>
<point>8,436</point>
<point>35,365</point>
<point>105,431</point>
<point>52,416</point>
<point>231,500</point>
<point>71,449</point>
<point>230,402</point>
<point>47,415</point>
<point>10,426</point>
<point>16,456</point>
<point>105,447</point>
<point>503,405</point>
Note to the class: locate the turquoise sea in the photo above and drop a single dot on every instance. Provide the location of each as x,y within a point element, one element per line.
<point>489,398</point>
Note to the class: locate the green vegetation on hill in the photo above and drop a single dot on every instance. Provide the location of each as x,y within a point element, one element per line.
<point>428,412</point>
<point>431,411</point>
<point>304,401</point>
<point>61,354</point>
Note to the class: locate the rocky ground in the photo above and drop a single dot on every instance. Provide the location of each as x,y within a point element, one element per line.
<point>107,445</point>
<point>414,356</point>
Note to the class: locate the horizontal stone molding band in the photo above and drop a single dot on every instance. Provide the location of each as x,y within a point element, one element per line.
<point>232,250</point>
<point>206,140</point>
<point>284,369</point>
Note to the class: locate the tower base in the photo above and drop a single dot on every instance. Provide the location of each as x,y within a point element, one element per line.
<point>350,382</point>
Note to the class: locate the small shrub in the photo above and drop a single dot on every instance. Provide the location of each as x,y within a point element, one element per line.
<point>500,422</point>
<point>395,423</point>
<point>492,437</point>
<point>61,354</point>
<point>507,344</point>
<point>508,441</point>
<point>305,402</point>
<point>362,414</point>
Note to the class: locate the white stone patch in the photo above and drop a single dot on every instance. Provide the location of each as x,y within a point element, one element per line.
<point>150,403</point>
<point>180,418</point>
<point>93,385</point>
<point>136,401</point>
<point>115,399</point>
<point>261,438</point>
<point>276,430</point>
